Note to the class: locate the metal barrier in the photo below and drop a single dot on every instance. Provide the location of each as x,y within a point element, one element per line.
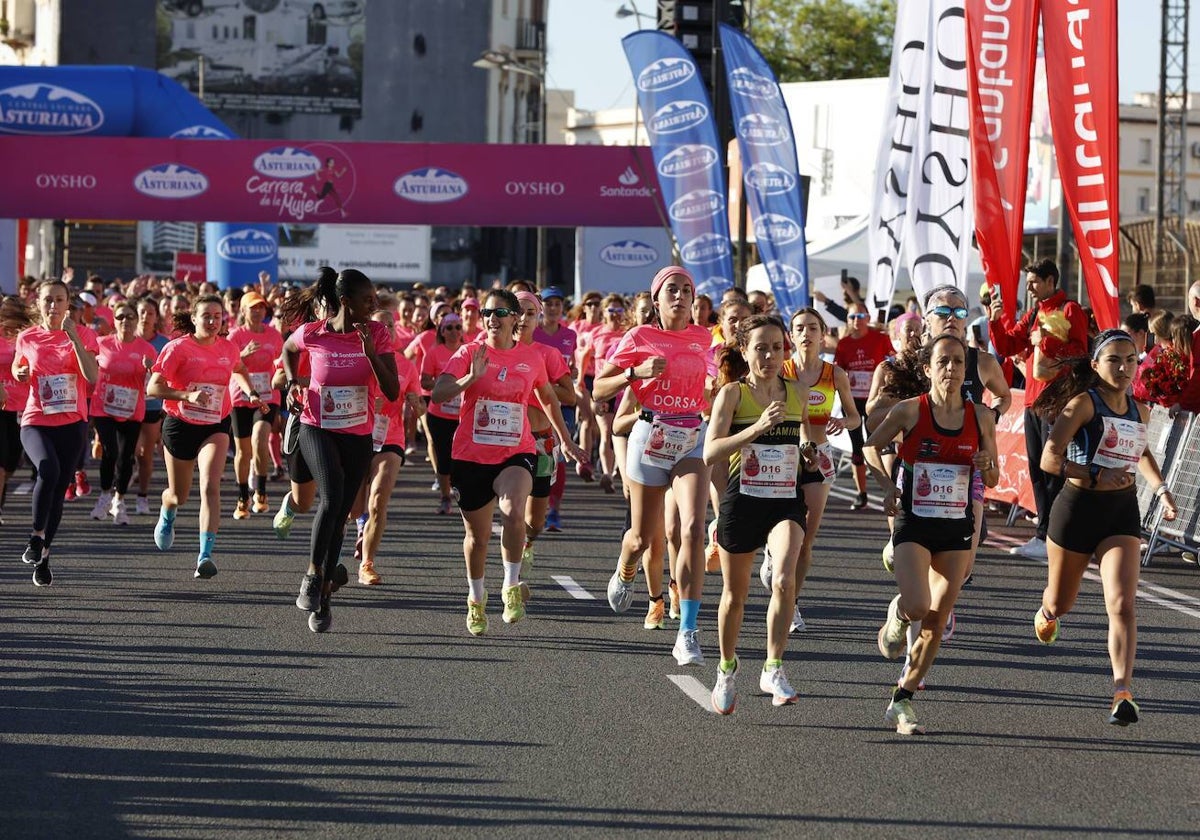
<point>1175,443</point>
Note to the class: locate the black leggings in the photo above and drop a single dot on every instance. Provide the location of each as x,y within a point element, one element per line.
<point>339,463</point>
<point>10,441</point>
<point>119,439</point>
<point>54,451</point>
<point>856,434</point>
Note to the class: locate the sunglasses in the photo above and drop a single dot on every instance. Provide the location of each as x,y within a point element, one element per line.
<point>958,312</point>
<point>857,316</point>
<point>591,303</point>
<point>615,310</point>
<point>502,312</point>
<point>123,317</point>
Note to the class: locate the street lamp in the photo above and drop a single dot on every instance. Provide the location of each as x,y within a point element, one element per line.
<point>625,12</point>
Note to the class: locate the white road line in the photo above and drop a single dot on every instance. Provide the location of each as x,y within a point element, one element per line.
<point>694,689</point>
<point>573,589</point>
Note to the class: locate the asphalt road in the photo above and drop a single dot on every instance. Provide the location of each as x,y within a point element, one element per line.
<point>140,702</point>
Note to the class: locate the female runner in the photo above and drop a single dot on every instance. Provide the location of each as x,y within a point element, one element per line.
<point>150,433</point>
<point>759,429</point>
<point>1098,439</point>
<point>946,438</point>
<point>192,376</point>
<point>441,420</point>
<point>670,368</point>
<point>350,355</point>
<point>52,358</point>
<point>494,456</point>
<point>597,346</point>
<point>259,345</point>
<point>14,317</point>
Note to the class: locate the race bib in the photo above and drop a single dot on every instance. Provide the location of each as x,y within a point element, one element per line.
<point>205,415</point>
<point>58,393</point>
<point>769,471</point>
<point>380,431</point>
<point>941,491</point>
<point>261,382</point>
<point>498,423</point>
<point>860,383</point>
<point>667,444</point>
<point>827,461</point>
<point>1121,444</point>
<point>453,406</point>
<point>343,406</point>
<point>120,402</point>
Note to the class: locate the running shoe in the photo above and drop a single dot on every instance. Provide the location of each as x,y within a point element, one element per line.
<point>1034,549</point>
<point>712,552</point>
<point>41,573</point>
<point>889,557</point>
<point>205,567</point>
<point>585,472</point>
<point>514,604</point>
<point>69,495</point>
<point>477,622</point>
<point>367,575</point>
<point>164,531</point>
<point>100,509</point>
<point>687,648</point>
<point>436,486</point>
<point>321,619</point>
<point>904,673</point>
<point>553,523</point>
<point>724,693</point>
<point>309,598</point>
<point>282,524</point>
<point>606,484</point>
<point>341,576</point>
<point>775,683</point>
<point>261,504</point>
<point>1046,629</point>
<point>119,514</point>
<point>526,558</point>
<point>948,630</point>
<point>1124,710</point>
<point>143,506</point>
<point>766,570</point>
<point>242,510</point>
<point>620,592</point>
<point>444,506</point>
<point>900,713</point>
<point>892,635</point>
<point>33,550</point>
<point>860,502</point>
<point>655,619</point>
<point>673,591</point>
<point>82,488</point>
<point>798,625</point>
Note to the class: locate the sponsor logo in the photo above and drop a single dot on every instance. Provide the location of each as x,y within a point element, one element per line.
<point>287,162</point>
<point>770,179</point>
<point>535,188</point>
<point>698,204</point>
<point>665,74</point>
<point>47,109</point>
<point>748,83</point>
<point>628,181</point>
<point>776,228</point>
<point>63,181</point>
<point>677,116</point>
<point>705,248</point>
<point>431,186</point>
<point>628,253</point>
<point>688,159</point>
<point>247,246</point>
<point>762,130</point>
<point>200,132</point>
<point>785,276</point>
<point>170,180</point>
<point>628,178</point>
<point>714,287</point>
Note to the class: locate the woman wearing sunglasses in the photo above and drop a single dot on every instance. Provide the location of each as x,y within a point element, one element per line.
<point>596,347</point>
<point>671,370</point>
<point>118,407</point>
<point>494,454</point>
<point>441,419</point>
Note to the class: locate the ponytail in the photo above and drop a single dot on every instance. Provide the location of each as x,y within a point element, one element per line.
<point>302,308</point>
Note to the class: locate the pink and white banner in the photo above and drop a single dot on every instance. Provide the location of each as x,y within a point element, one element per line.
<point>352,183</point>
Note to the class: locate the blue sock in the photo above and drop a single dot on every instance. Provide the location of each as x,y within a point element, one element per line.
<point>207,538</point>
<point>689,611</point>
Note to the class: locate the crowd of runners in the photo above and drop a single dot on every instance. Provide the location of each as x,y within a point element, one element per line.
<point>714,419</point>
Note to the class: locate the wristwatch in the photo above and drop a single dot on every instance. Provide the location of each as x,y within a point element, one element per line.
<point>1094,473</point>
<point>629,375</point>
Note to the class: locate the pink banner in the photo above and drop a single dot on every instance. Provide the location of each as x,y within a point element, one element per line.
<point>1080,38</point>
<point>1001,53</point>
<point>353,183</point>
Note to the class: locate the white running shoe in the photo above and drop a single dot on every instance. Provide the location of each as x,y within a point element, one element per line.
<point>436,487</point>
<point>100,509</point>
<point>687,648</point>
<point>120,517</point>
<point>900,713</point>
<point>724,693</point>
<point>893,635</point>
<point>620,593</point>
<point>948,630</point>
<point>776,684</point>
<point>889,557</point>
<point>798,625</point>
<point>766,570</point>
<point>1035,549</point>
<point>143,506</point>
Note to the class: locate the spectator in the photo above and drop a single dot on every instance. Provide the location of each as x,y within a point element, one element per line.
<point>1141,299</point>
<point>1137,324</point>
<point>850,295</point>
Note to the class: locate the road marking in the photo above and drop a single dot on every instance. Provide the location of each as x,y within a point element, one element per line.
<point>694,689</point>
<point>573,589</point>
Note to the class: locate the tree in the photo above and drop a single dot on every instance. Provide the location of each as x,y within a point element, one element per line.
<point>819,40</point>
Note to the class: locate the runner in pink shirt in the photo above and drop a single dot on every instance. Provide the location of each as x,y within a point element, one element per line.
<point>14,317</point>
<point>259,345</point>
<point>494,453</point>
<point>89,336</point>
<point>587,322</point>
<point>441,420</point>
<point>58,365</point>
<point>352,360</point>
<point>192,375</point>
<point>557,335</point>
<point>600,344</point>
<point>118,407</point>
<point>671,371</point>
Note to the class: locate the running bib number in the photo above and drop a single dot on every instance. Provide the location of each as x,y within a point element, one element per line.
<point>498,423</point>
<point>261,383</point>
<point>769,472</point>
<point>941,491</point>
<point>120,402</point>
<point>207,414</point>
<point>1121,445</point>
<point>453,406</point>
<point>380,431</point>
<point>668,445</point>
<point>827,461</point>
<point>343,406</point>
<point>58,393</point>
<point>860,383</point>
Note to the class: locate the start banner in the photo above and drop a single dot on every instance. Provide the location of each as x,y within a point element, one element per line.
<point>352,183</point>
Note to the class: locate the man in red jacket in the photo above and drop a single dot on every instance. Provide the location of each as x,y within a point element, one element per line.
<point>1042,335</point>
<point>858,353</point>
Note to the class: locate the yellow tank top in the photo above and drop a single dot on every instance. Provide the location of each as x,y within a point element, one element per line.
<point>748,412</point>
<point>820,395</point>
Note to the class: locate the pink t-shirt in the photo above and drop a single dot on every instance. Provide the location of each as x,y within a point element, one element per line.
<point>185,365</point>
<point>681,387</point>
<point>584,329</point>
<point>341,390</point>
<point>564,340</point>
<point>17,392</point>
<point>120,391</point>
<point>603,341</point>
<point>404,336</point>
<point>418,348</point>
<point>389,414</point>
<point>57,390</point>
<point>434,364</point>
<point>260,364</point>
<point>556,369</point>
<point>495,426</point>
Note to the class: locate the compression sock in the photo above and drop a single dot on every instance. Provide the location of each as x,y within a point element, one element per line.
<point>689,611</point>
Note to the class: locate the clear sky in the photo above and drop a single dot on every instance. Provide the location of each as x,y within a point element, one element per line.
<point>585,55</point>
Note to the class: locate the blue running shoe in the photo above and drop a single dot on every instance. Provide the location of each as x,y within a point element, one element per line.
<point>164,531</point>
